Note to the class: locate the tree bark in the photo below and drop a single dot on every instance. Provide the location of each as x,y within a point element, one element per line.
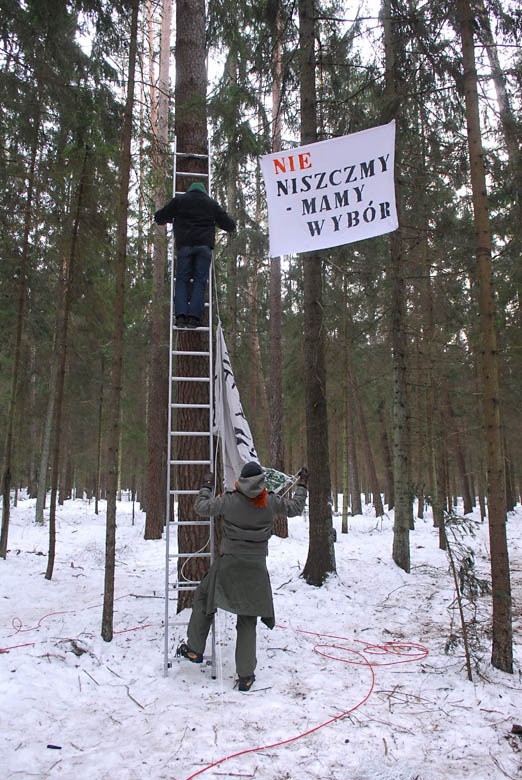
<point>401,443</point>
<point>367,447</point>
<point>114,424</point>
<point>22,300</point>
<point>159,358</point>
<point>511,133</point>
<point>192,137</point>
<point>388,465</point>
<point>321,553</point>
<point>502,644</point>
<point>276,354</point>
<point>276,446</point>
<point>459,457</point>
<point>99,439</point>
<point>61,350</point>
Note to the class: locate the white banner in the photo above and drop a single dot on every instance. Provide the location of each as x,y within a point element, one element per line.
<point>331,192</point>
<point>230,423</point>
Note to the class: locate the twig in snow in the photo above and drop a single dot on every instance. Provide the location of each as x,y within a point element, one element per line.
<point>133,699</point>
<point>90,675</point>
<point>499,766</point>
<point>114,673</point>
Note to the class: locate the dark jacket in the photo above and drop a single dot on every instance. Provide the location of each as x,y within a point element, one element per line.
<point>195,216</point>
<point>247,528</point>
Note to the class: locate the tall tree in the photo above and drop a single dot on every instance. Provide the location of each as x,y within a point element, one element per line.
<point>117,340</point>
<point>61,344</point>
<point>401,458</point>
<point>276,378</point>
<point>158,365</point>
<point>321,553</point>
<point>22,300</point>
<point>502,646</point>
<point>191,138</point>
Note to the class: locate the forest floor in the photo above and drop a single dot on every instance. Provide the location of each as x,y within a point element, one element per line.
<point>362,679</point>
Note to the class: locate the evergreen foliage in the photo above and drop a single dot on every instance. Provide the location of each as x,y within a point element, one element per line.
<point>61,77</point>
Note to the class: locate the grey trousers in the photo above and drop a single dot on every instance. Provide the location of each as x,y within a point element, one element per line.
<point>246,625</point>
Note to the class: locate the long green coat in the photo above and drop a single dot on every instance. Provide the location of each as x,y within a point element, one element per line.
<point>238,580</point>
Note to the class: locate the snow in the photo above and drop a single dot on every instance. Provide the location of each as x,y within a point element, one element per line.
<point>365,655</point>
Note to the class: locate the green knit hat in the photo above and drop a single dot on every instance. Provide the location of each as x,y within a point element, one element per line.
<point>198,185</point>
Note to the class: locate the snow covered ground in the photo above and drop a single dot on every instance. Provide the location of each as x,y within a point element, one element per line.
<point>355,679</point>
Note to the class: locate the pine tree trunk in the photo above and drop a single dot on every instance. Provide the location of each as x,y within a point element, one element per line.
<point>459,457</point>
<point>114,423</point>
<point>159,358</point>
<point>191,134</point>
<point>61,350</point>
<point>321,552</point>
<point>99,439</point>
<point>401,454</point>
<point>511,133</point>
<point>352,466</point>
<point>33,468</point>
<point>17,354</point>
<point>386,453</point>
<point>502,646</point>
<point>236,242</point>
<point>276,354</point>
<point>366,445</point>
<point>46,441</point>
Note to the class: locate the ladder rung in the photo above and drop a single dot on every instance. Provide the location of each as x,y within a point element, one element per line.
<point>191,354</point>
<point>190,555</point>
<point>190,406</point>
<point>190,522</point>
<point>181,588</point>
<point>190,433</point>
<point>184,493</point>
<point>191,173</point>
<point>190,462</point>
<point>199,328</point>
<point>196,155</point>
<point>178,378</point>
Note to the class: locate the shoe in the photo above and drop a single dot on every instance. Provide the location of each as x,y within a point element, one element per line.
<point>245,683</point>
<point>193,322</point>
<point>186,652</point>
<point>181,321</point>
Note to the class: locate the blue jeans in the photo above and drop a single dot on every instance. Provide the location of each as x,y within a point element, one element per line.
<point>193,262</point>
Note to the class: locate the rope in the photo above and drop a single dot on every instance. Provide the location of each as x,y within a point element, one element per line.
<point>403,652</point>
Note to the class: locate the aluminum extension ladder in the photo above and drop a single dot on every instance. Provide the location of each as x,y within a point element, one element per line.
<point>174,583</point>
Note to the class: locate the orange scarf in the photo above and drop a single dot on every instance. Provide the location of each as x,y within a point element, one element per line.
<point>259,500</point>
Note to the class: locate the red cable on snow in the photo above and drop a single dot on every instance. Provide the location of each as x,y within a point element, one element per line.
<point>17,624</point>
<point>399,649</point>
<point>13,647</point>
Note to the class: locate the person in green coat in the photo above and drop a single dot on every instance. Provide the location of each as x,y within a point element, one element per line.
<point>238,580</point>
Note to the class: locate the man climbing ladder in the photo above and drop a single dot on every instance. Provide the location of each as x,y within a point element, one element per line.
<point>195,216</point>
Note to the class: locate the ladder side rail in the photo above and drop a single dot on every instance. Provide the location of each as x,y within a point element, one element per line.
<point>211,402</point>
<point>169,438</point>
<point>168,465</point>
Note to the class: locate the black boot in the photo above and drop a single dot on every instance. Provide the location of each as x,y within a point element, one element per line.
<point>245,683</point>
<point>191,655</point>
